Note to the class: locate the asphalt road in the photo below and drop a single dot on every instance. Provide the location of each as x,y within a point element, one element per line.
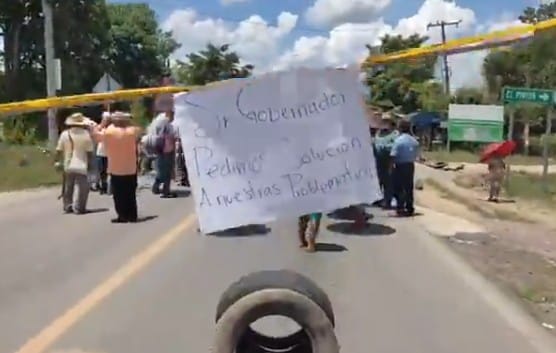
<point>80,282</point>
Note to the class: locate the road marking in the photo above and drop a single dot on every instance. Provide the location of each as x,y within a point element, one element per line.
<point>140,261</point>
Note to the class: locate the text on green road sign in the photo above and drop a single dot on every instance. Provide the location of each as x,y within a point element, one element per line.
<point>513,95</point>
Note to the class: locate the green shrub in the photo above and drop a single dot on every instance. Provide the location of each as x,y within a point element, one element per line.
<point>536,145</point>
<point>21,130</point>
<point>140,113</point>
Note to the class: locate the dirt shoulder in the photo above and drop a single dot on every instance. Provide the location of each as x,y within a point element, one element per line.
<point>513,243</point>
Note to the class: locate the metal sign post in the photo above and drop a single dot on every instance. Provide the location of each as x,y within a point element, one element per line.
<point>512,95</point>
<point>545,150</point>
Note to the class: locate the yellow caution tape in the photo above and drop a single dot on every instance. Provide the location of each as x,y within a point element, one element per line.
<point>498,38</point>
<point>85,99</point>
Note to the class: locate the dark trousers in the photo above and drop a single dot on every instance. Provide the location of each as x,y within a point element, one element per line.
<point>403,187</point>
<point>102,166</point>
<point>124,193</point>
<point>181,170</point>
<point>164,169</point>
<point>385,177</point>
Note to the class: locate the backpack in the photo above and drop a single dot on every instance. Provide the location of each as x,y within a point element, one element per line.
<point>154,144</point>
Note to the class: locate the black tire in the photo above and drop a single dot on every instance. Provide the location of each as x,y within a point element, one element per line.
<point>274,280</point>
<point>275,301</point>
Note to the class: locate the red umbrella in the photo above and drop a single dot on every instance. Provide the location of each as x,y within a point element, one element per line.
<point>498,149</point>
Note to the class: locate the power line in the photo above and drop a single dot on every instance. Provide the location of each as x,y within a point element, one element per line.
<point>442,25</point>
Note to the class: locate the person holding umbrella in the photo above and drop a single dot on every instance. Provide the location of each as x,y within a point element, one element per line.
<point>496,172</point>
<point>494,154</point>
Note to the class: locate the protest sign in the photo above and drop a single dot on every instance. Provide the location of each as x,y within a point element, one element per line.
<point>280,145</point>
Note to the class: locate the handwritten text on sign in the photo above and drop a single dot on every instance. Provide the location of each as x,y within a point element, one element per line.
<point>280,145</point>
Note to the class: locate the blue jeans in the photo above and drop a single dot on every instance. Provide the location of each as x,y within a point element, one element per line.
<point>164,167</point>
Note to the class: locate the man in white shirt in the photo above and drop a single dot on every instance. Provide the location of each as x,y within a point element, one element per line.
<point>75,146</point>
<point>102,161</point>
<point>165,157</point>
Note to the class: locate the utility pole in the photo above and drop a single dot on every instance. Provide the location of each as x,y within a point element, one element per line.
<point>50,70</point>
<point>442,25</point>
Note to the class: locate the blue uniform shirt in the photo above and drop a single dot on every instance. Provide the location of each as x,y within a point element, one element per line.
<point>384,143</point>
<point>405,149</point>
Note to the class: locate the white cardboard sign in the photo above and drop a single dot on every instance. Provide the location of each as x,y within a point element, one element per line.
<point>280,145</point>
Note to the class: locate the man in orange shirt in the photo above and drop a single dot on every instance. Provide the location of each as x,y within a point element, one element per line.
<point>120,145</point>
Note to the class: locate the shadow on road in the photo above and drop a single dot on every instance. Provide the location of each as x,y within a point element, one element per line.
<point>499,201</point>
<point>182,193</point>
<point>244,231</point>
<point>371,229</point>
<point>146,219</point>
<point>415,214</point>
<point>330,247</point>
<point>346,214</point>
<point>96,210</point>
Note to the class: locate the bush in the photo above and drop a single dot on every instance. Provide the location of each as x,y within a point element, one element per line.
<point>21,130</point>
<point>140,113</point>
<point>536,145</point>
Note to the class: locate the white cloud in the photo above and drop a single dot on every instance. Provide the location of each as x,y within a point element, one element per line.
<point>344,44</point>
<point>253,39</point>
<point>437,10</point>
<point>259,43</point>
<point>328,13</point>
<point>466,69</point>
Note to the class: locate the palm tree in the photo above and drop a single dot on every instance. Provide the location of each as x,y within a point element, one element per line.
<point>211,64</point>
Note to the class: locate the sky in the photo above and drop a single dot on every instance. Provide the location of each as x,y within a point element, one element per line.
<point>281,34</point>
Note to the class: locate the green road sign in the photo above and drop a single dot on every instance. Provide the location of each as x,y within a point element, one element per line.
<point>516,95</point>
<point>475,130</point>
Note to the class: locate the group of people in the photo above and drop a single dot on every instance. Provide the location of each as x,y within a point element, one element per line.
<point>396,150</point>
<point>119,144</point>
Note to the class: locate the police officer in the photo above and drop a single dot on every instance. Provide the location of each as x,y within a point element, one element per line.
<point>404,153</point>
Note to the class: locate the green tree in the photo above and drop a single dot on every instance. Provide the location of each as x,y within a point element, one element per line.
<point>432,97</point>
<point>79,35</point>
<point>210,65</point>
<point>19,29</point>
<point>139,50</point>
<point>399,83</point>
<point>531,64</point>
<point>469,95</point>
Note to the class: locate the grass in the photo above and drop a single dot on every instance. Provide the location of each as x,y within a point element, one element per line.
<point>25,167</point>
<point>459,156</point>
<point>530,187</point>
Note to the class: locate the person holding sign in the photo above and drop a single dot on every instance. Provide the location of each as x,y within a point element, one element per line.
<point>308,229</point>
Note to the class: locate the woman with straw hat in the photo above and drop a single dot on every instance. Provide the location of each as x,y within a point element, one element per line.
<point>75,146</point>
<point>120,145</point>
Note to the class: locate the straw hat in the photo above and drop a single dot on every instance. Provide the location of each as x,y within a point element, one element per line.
<point>78,119</point>
<point>121,116</point>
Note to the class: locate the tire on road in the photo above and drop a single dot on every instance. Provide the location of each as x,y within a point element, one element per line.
<point>268,280</point>
<point>235,321</point>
